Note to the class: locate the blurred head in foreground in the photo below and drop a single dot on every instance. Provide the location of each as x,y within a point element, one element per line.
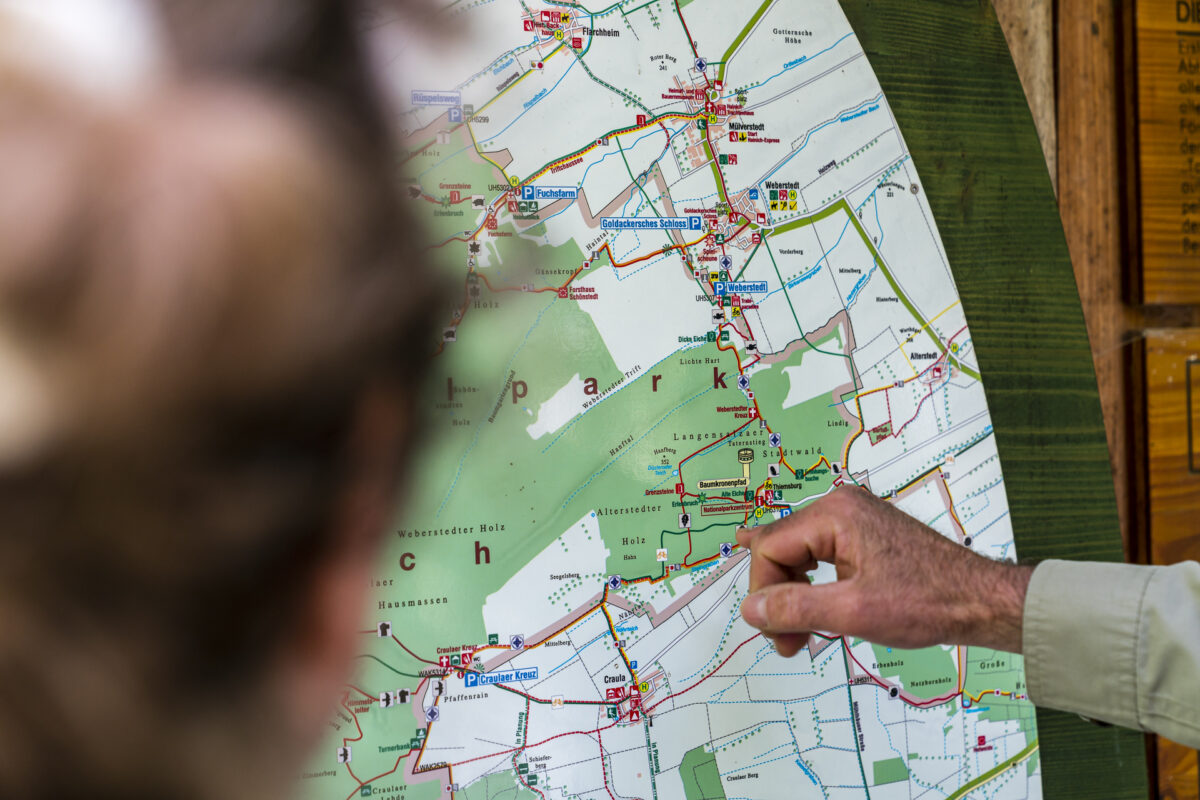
<point>209,337</point>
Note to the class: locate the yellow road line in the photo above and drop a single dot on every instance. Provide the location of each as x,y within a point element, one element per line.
<point>482,154</point>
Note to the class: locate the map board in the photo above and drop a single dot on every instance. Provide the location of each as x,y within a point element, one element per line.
<point>701,286</point>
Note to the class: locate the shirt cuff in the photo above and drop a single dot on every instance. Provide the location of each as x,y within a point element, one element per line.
<point>1080,638</point>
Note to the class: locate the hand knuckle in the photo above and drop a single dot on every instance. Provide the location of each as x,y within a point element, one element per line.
<point>844,499</point>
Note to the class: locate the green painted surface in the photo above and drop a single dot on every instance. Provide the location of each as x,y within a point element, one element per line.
<point>948,76</point>
<point>924,674</point>
<point>892,770</point>
<point>701,780</point>
<point>992,679</point>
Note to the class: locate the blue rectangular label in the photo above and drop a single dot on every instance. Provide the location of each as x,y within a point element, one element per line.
<point>549,193</point>
<point>473,679</point>
<point>741,287</point>
<point>650,224</point>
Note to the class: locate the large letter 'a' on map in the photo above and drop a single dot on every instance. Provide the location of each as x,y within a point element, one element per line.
<point>698,286</point>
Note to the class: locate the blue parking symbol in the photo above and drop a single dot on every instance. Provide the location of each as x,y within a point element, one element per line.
<point>456,114</point>
<point>754,194</point>
<point>694,223</point>
<point>526,192</point>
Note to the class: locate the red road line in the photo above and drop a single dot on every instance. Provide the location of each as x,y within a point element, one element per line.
<point>691,41</point>
<point>535,744</point>
<point>706,677</point>
<point>542,700</point>
<point>361,784</point>
<point>356,725</point>
<point>367,695</point>
<point>414,655</point>
<point>936,701</point>
<point>603,771</point>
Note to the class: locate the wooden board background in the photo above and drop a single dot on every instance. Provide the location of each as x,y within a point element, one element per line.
<point>1168,91</point>
<point>947,73</point>
<point>1173,428</point>
<point>1173,424</point>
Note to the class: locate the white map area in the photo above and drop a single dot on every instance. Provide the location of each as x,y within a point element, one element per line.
<point>568,560</point>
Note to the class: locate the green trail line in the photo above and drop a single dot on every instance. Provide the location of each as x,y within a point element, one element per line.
<point>748,260</point>
<point>661,543</point>
<point>665,533</point>
<point>605,12</point>
<point>636,183</point>
<point>803,335</point>
<point>995,771</point>
<point>896,288</point>
<point>625,13</point>
<point>389,666</point>
<point>584,10</point>
<point>842,205</point>
<point>817,217</point>
<point>741,36</point>
<point>642,189</point>
<point>650,759</point>
<point>712,162</point>
<point>627,97</point>
<point>972,444</point>
<point>853,723</point>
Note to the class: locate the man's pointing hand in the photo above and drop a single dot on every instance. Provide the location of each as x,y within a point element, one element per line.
<point>900,583</point>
